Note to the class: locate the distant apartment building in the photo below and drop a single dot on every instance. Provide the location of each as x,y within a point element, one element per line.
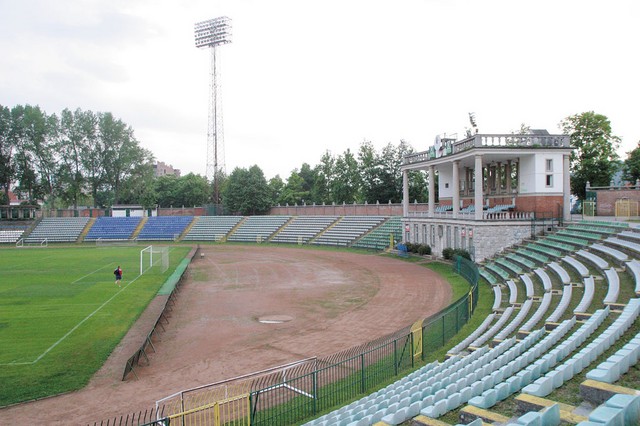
<point>163,169</point>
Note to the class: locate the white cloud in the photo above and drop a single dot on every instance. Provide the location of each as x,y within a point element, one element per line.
<point>301,78</point>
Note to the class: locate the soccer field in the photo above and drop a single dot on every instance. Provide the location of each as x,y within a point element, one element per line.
<point>61,314</point>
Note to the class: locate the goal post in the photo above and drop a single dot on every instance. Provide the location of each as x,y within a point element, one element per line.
<point>154,256</point>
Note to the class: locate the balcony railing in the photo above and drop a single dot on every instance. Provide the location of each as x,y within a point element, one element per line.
<point>497,216</point>
<point>490,140</point>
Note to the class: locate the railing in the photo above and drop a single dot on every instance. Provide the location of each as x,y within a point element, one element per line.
<point>340,379</point>
<point>493,140</point>
<point>141,352</point>
<point>506,215</point>
<point>290,395</point>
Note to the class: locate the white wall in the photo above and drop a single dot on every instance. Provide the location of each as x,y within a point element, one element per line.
<point>445,179</point>
<point>533,173</point>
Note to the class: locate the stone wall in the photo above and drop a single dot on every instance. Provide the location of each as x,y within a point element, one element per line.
<point>483,239</point>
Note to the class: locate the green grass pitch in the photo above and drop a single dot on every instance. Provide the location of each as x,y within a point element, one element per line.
<point>61,314</point>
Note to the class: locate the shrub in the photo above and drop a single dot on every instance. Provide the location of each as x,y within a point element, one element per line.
<point>424,249</point>
<point>462,253</point>
<point>447,253</point>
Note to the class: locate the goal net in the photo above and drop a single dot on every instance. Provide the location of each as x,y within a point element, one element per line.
<point>154,257</point>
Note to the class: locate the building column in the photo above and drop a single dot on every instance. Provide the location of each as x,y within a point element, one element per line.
<point>478,196</point>
<point>432,190</point>
<point>405,193</point>
<point>456,188</point>
<point>507,172</point>
<point>566,189</point>
<point>467,181</point>
<point>499,178</point>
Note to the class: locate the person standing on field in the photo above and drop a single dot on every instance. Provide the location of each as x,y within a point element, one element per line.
<point>118,274</point>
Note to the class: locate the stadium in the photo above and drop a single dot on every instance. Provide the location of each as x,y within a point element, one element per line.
<point>323,315</point>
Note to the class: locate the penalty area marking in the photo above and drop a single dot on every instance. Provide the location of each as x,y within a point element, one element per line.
<point>73,329</point>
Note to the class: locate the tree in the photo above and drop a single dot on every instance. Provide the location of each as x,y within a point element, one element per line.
<point>631,167</point>
<point>193,190</point>
<point>594,156</point>
<point>346,184</point>
<point>276,185</point>
<point>247,192</point>
<point>324,176</point>
<point>6,153</point>
<point>293,192</point>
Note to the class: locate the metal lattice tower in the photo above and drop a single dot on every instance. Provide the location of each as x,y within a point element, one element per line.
<point>212,34</point>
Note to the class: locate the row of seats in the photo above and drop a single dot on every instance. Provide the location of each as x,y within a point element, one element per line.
<point>527,368</point>
<point>10,235</point>
<point>378,238</point>
<point>164,228</point>
<point>348,229</point>
<point>212,228</point>
<point>58,229</point>
<point>112,228</point>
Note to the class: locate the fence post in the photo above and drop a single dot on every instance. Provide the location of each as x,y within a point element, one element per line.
<point>315,391</point>
<point>413,349</point>
<point>395,356</point>
<point>362,379</point>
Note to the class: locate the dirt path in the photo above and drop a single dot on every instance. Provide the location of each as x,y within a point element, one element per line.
<point>332,301</point>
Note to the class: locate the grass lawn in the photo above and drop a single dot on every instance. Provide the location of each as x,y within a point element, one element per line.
<point>61,314</point>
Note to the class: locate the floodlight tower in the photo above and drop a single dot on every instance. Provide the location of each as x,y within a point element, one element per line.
<point>212,34</point>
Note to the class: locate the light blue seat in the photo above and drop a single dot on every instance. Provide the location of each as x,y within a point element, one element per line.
<point>609,416</point>
<point>488,399</point>
<point>629,404</point>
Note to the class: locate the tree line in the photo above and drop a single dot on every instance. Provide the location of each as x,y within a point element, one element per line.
<point>366,176</point>
<point>85,158</point>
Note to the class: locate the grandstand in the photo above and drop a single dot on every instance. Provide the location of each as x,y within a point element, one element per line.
<point>112,228</point>
<point>164,228</point>
<point>301,229</point>
<point>481,376</point>
<point>379,237</point>
<point>11,233</point>
<point>211,228</point>
<point>58,230</point>
<point>347,230</point>
<point>257,228</point>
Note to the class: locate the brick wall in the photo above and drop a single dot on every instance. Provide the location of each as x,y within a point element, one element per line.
<point>347,210</point>
<point>606,199</point>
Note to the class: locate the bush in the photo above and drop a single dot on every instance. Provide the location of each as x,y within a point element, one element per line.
<point>462,253</point>
<point>447,253</point>
<point>424,249</point>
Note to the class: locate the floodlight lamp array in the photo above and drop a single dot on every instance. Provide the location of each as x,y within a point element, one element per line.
<point>213,32</point>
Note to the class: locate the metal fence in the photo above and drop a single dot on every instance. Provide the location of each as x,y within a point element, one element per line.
<point>346,376</point>
<point>295,393</point>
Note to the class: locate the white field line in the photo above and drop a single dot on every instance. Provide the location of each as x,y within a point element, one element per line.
<point>91,273</point>
<point>73,329</point>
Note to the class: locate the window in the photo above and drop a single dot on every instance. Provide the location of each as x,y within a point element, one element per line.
<point>549,163</point>
<point>549,180</point>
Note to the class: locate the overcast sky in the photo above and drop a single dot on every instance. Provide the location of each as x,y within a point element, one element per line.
<point>302,77</point>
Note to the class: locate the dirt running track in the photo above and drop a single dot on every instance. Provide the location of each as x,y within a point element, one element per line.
<point>335,301</point>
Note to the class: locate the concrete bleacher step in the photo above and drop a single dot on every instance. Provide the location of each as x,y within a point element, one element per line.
<point>426,421</point>
<point>187,228</point>
<point>596,392</point>
<point>526,403</point>
<point>136,231</point>
<point>469,413</point>
<point>86,229</point>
